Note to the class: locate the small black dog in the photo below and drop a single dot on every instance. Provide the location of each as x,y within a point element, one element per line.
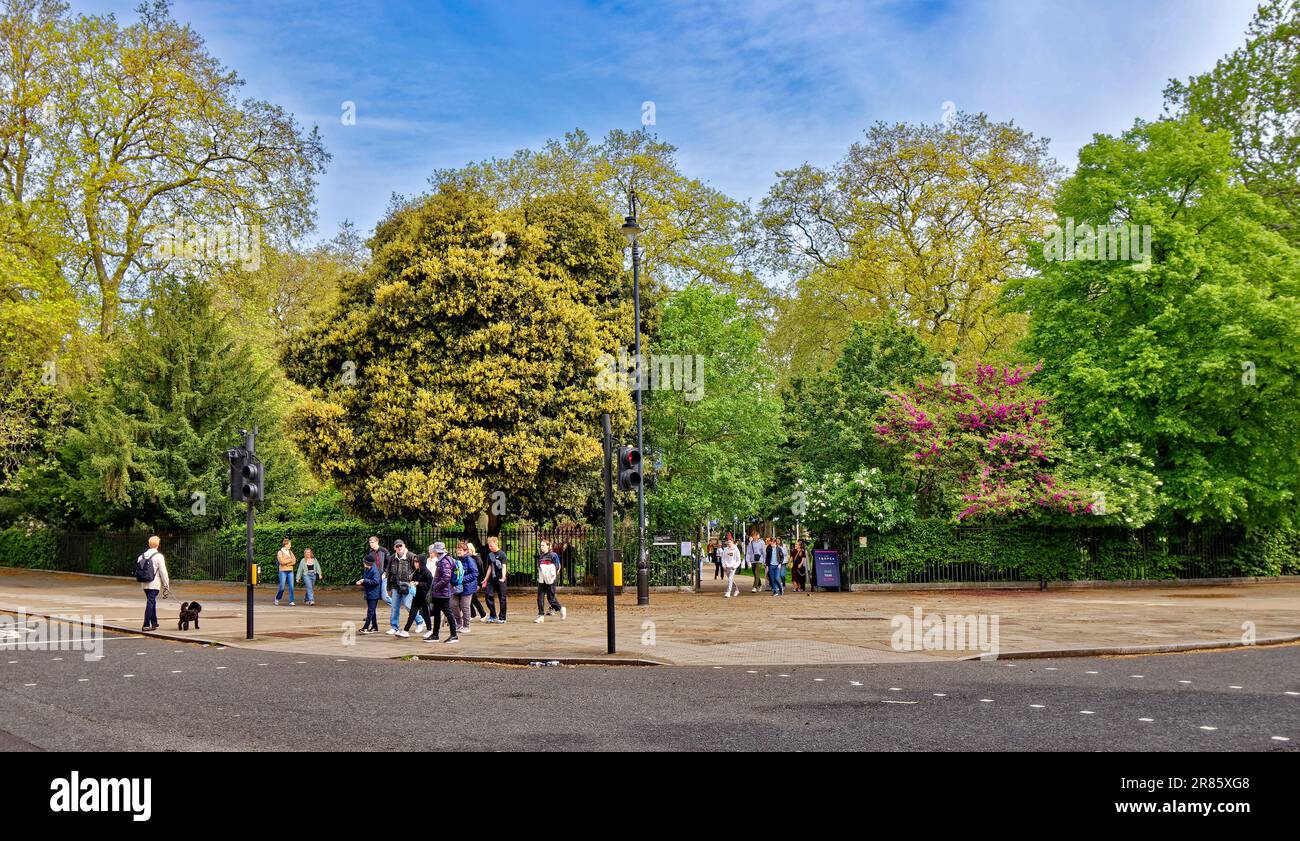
<point>190,613</point>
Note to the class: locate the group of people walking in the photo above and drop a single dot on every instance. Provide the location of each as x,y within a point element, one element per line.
<point>440,585</point>
<point>766,557</point>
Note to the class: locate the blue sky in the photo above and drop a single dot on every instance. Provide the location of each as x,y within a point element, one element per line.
<point>742,89</point>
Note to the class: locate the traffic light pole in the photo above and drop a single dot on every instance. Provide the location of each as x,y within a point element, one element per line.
<point>642,567</point>
<point>250,439</point>
<point>609,532</point>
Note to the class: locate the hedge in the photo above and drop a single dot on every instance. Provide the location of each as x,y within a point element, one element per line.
<point>29,549</point>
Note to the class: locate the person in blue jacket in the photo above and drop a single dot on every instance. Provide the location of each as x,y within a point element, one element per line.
<point>373,583</point>
<point>461,603</point>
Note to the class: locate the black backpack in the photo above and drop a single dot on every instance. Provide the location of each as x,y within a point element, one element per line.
<point>144,569</point>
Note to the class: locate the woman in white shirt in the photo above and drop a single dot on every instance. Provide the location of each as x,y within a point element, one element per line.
<point>730,554</point>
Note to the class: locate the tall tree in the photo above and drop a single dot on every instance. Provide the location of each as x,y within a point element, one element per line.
<point>463,362</point>
<point>1254,95</point>
<point>923,220</point>
<point>1194,358</point>
<point>716,429</point>
<point>146,446</point>
<point>125,133</point>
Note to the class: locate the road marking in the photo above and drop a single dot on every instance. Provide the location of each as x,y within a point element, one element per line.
<point>986,700</point>
<point>219,668</point>
<point>854,683</point>
<point>1289,692</point>
<point>56,659</point>
<point>777,675</point>
<point>1038,706</point>
<point>263,664</point>
<point>1234,687</point>
<point>716,667</point>
<point>939,695</point>
<point>895,689</point>
<point>1092,673</point>
<point>82,679</point>
<point>176,671</point>
<point>1280,738</point>
<point>819,679</point>
<point>141,653</point>
<point>1086,712</point>
<point>1208,727</point>
<point>900,702</point>
<point>1146,719</point>
<point>1052,669</point>
<point>1184,681</point>
<point>128,675</point>
<point>1135,675</point>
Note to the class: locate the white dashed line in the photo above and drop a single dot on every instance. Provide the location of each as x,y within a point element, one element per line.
<point>176,671</point>
<point>1038,706</point>
<point>83,679</point>
<point>750,672</point>
<point>819,680</point>
<point>939,695</point>
<point>128,675</point>
<point>1052,669</point>
<point>782,675</point>
<point>854,683</point>
<point>219,668</point>
<point>1086,712</point>
<point>986,700</point>
<point>1146,719</point>
<point>1208,727</point>
<point>263,664</point>
<point>1280,738</point>
<point>29,684</point>
<point>1184,681</point>
<point>900,702</point>
<point>1135,675</point>
<point>1288,692</point>
<point>1234,687</point>
<point>895,689</point>
<point>716,667</point>
<point>141,653</point>
<point>1092,673</point>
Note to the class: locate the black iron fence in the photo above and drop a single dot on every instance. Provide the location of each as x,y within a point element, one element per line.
<point>991,554</point>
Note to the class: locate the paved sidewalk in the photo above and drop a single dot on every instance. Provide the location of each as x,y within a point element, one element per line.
<point>704,629</point>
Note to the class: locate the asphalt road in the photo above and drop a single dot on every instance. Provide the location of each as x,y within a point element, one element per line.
<point>153,695</point>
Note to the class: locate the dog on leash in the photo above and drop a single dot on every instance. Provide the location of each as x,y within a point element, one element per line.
<point>189,613</point>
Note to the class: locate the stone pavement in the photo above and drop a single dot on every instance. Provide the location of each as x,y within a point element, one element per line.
<point>698,629</point>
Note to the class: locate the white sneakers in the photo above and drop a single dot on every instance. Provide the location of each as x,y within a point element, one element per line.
<point>427,637</point>
<point>540,619</point>
<point>391,632</point>
<point>403,634</point>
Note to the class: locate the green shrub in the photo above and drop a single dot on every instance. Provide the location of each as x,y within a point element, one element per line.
<point>30,549</point>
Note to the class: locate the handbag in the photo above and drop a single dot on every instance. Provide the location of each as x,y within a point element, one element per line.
<point>403,589</point>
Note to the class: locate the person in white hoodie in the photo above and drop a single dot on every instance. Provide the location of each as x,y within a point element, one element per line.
<point>159,582</point>
<point>730,555</point>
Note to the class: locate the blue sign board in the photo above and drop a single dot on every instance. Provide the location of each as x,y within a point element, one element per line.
<point>826,568</point>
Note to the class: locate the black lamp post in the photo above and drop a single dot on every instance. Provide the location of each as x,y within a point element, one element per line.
<point>632,230</point>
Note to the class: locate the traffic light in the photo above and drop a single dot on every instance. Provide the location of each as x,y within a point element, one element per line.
<point>629,468</point>
<point>237,457</point>
<point>252,480</point>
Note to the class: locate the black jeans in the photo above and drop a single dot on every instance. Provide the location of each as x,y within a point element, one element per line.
<point>419,607</point>
<point>150,608</point>
<point>372,622</point>
<point>476,606</point>
<point>496,588</point>
<point>441,608</point>
<point>549,591</point>
<point>717,570</point>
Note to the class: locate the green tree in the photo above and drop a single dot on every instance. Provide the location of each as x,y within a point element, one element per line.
<point>923,220</point>
<point>146,446</point>
<point>121,133</point>
<point>1195,357</point>
<point>1254,95</point>
<point>718,434</point>
<point>462,363</point>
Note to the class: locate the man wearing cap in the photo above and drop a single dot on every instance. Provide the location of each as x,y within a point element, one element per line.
<point>400,592</point>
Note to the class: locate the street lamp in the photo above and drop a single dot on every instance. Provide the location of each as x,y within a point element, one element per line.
<point>632,230</point>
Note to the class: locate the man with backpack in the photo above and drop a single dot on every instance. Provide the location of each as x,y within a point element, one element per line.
<point>548,572</point>
<point>151,572</point>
